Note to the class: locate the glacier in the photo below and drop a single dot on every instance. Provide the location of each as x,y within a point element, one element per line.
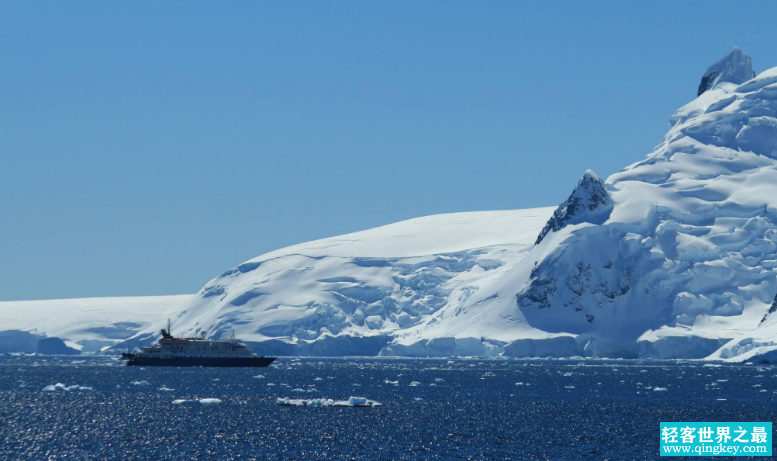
<point>672,257</point>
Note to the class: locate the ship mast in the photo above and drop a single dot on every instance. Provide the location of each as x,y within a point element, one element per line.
<point>169,332</point>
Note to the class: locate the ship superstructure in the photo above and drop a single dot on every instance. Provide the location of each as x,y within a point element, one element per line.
<point>192,352</point>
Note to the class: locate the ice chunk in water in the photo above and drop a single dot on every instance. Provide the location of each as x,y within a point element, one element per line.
<point>351,402</point>
<point>202,401</point>
<point>62,387</point>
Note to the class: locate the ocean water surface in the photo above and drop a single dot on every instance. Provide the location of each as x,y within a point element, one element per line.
<point>431,408</point>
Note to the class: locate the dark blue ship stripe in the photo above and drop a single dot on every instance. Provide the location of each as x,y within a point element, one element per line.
<point>201,362</point>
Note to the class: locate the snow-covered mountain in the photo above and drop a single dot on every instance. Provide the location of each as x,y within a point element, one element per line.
<point>673,257</point>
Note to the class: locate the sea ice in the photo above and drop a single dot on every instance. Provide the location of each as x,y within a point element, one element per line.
<point>139,383</point>
<point>351,402</point>
<point>62,387</point>
<point>659,389</point>
<point>202,401</point>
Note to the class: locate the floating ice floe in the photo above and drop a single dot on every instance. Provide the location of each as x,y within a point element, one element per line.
<point>519,384</point>
<point>313,389</point>
<point>659,389</point>
<point>139,383</point>
<point>415,384</point>
<point>62,387</point>
<point>395,383</point>
<point>569,387</point>
<point>202,401</point>
<point>259,376</point>
<point>351,402</point>
<point>165,389</point>
<point>438,380</point>
<point>488,373</point>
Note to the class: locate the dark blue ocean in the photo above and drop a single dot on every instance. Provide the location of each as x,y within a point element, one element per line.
<point>564,409</point>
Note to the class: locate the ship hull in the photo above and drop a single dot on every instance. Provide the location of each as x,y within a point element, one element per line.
<point>252,362</point>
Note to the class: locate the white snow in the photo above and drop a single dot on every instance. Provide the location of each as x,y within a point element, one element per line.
<point>87,324</point>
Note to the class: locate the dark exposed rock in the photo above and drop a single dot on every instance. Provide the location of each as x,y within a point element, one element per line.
<point>589,202</point>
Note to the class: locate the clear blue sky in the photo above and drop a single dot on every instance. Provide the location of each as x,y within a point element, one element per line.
<point>148,146</point>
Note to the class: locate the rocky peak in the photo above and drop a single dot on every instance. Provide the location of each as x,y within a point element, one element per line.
<point>589,202</point>
<point>735,67</point>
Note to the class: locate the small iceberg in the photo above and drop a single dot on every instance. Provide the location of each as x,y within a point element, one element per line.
<point>202,401</point>
<point>139,383</point>
<point>165,389</point>
<point>351,402</point>
<point>659,389</point>
<point>62,387</point>
<point>415,384</point>
<point>312,389</point>
<point>488,373</point>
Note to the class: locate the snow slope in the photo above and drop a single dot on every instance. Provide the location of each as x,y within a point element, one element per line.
<point>87,325</point>
<point>673,257</point>
<point>352,294</point>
